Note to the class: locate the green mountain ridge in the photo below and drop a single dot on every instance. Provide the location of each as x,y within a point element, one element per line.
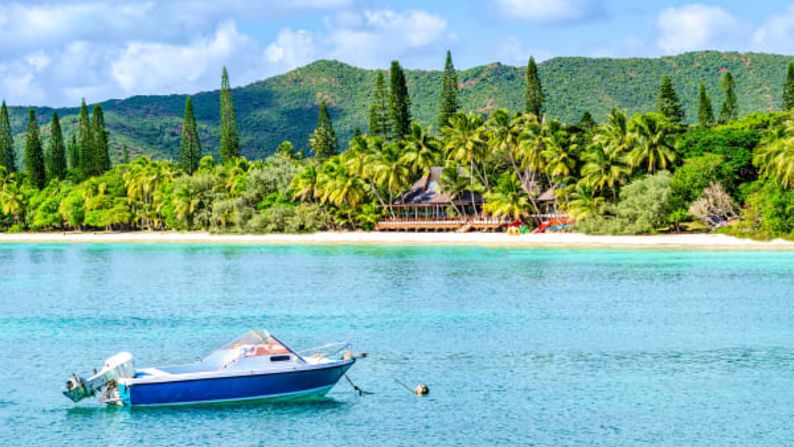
<point>284,107</point>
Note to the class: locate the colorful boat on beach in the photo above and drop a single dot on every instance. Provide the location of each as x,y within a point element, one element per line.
<point>255,366</point>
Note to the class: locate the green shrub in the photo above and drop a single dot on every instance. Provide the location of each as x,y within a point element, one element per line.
<point>645,206</point>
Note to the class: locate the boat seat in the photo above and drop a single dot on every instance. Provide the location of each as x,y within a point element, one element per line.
<point>154,372</point>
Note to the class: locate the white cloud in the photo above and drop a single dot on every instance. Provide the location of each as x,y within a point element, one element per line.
<point>696,27</point>
<point>151,67</point>
<point>291,49</point>
<point>385,35</point>
<point>513,51</point>
<point>777,33</point>
<point>553,11</point>
<point>54,53</point>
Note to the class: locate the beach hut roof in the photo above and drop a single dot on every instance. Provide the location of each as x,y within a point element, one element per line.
<point>428,191</point>
<point>536,188</point>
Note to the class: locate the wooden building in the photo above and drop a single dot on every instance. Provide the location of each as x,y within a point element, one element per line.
<point>427,207</point>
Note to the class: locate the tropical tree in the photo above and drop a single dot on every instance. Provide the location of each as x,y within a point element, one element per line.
<point>230,138</point>
<point>7,153</point>
<point>705,112</point>
<point>455,183</point>
<point>558,152</point>
<point>788,88</point>
<point>448,103</point>
<point>379,118</point>
<point>651,139</point>
<point>604,168</point>
<point>614,135</point>
<point>508,199</point>
<point>774,157</point>
<point>399,102</point>
<point>55,158</point>
<point>190,147</point>
<point>584,202</point>
<point>533,94</point>
<point>99,160</point>
<point>420,150</point>
<point>388,170</point>
<point>304,185</point>
<point>338,187</point>
<point>730,107</point>
<point>34,156</point>
<point>465,142</point>
<point>323,140</point>
<point>12,198</point>
<point>668,103</point>
<point>85,138</point>
<point>142,182</point>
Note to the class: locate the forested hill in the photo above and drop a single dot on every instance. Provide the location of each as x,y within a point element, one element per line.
<point>284,107</point>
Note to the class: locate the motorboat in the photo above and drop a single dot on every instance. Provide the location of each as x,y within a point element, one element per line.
<point>255,366</point>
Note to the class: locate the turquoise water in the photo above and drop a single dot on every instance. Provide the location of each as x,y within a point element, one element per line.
<point>543,347</point>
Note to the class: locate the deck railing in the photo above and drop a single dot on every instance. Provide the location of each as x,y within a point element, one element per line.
<point>447,223</point>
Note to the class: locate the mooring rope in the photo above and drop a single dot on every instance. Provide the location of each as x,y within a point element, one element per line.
<point>357,388</point>
<point>392,376</point>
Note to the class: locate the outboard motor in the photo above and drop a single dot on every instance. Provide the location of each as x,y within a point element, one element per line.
<point>116,367</point>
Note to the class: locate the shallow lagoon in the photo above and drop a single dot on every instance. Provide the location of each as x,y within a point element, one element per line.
<point>547,347</point>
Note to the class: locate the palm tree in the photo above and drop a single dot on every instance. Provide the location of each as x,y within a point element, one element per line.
<point>389,173</point>
<point>335,185</point>
<point>584,202</point>
<point>775,156</point>
<point>650,137</point>
<point>186,202</point>
<point>557,152</point>
<point>504,134</point>
<point>507,200</point>
<point>465,142</point>
<point>604,168</point>
<point>420,150</point>
<point>142,181</point>
<point>613,135</point>
<point>11,197</point>
<point>454,184</point>
<point>305,183</point>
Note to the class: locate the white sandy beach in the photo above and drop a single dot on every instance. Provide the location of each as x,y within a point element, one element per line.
<point>549,240</point>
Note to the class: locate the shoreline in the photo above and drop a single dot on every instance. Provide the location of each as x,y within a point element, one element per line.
<point>502,240</point>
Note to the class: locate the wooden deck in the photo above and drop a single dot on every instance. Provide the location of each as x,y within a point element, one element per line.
<point>440,224</point>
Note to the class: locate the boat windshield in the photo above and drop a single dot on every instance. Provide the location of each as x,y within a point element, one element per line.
<point>257,342</point>
<point>252,344</point>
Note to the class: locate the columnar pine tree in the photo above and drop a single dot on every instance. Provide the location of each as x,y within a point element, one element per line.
<point>34,156</point>
<point>55,159</point>
<point>190,149</point>
<point>533,95</point>
<point>668,103</point>
<point>7,154</point>
<point>85,138</point>
<point>448,103</point>
<point>100,153</point>
<point>74,152</point>
<point>125,154</point>
<point>323,140</point>
<point>379,119</point>
<point>705,112</point>
<point>399,102</point>
<point>230,138</point>
<point>586,122</point>
<point>730,108</point>
<point>788,89</point>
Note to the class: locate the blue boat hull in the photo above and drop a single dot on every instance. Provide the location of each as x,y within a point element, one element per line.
<point>315,381</point>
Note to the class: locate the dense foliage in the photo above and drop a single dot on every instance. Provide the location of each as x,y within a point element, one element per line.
<point>285,107</point>
<point>635,173</point>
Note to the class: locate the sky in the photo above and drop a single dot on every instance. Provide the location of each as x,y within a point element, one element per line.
<point>57,52</point>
